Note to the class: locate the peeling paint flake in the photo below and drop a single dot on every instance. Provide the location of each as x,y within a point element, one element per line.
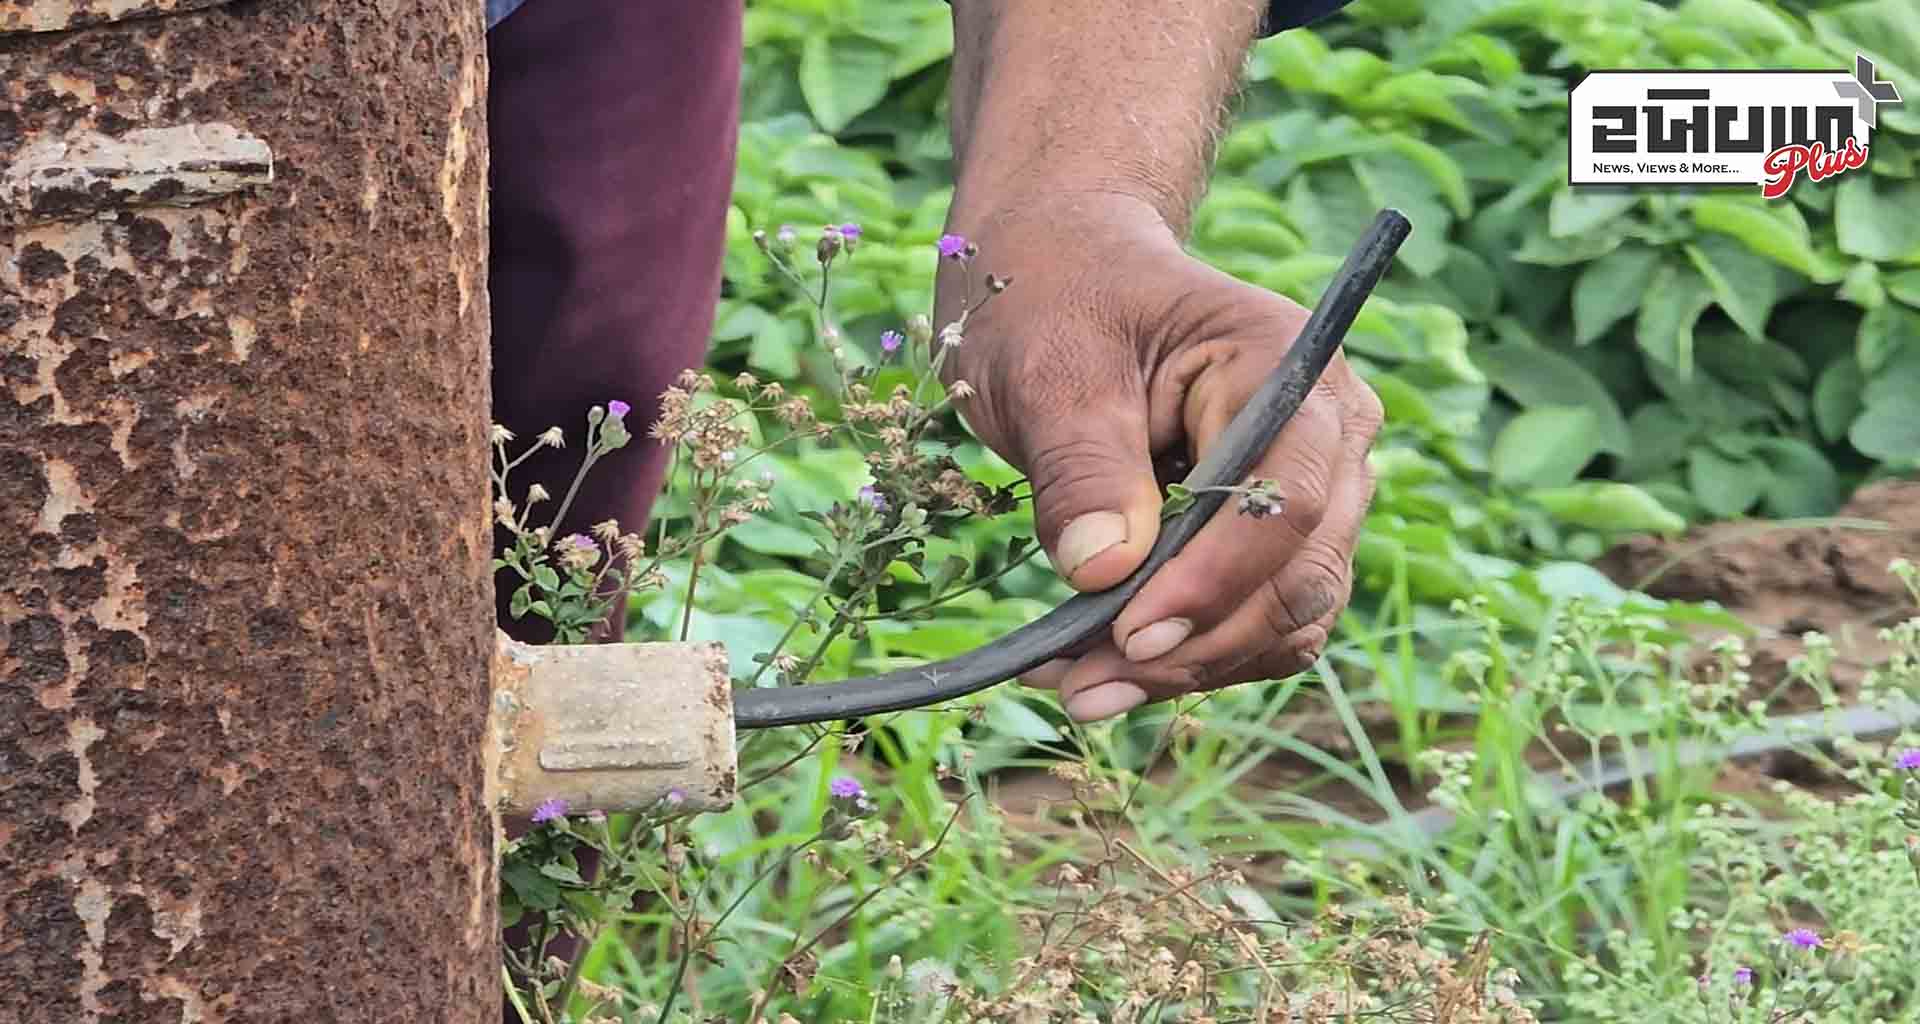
<point>82,734</point>
<point>59,15</point>
<point>72,176</point>
<point>65,496</point>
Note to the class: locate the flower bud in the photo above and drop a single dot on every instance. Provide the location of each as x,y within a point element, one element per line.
<point>829,245</point>
<point>919,329</point>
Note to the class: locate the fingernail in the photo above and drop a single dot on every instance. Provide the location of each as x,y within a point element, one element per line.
<point>1086,537</point>
<point>1105,701</point>
<point>1150,642</point>
<point>1047,676</point>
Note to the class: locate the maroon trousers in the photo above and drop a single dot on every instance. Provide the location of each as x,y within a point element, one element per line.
<point>612,128</point>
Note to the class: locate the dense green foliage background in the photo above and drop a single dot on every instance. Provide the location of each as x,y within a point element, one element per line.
<point>1559,367</point>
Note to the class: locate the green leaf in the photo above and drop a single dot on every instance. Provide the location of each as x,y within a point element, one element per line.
<point>1802,483</point>
<point>1610,288</point>
<point>547,579</point>
<point>929,43</point>
<point>1885,333</point>
<point>1744,283</point>
<point>1725,487</point>
<point>1007,716</point>
<point>1673,304</point>
<point>1577,211</point>
<point>1885,30</point>
<point>1897,382</point>
<point>559,872</point>
<point>1606,506</point>
<point>1878,219</point>
<point>770,536</point>
<point>1904,287</point>
<point>1889,432</point>
<point>1545,446</point>
<point>1662,435</point>
<point>1862,286</point>
<point>1534,376</point>
<point>1776,231</point>
<point>842,77</point>
<point>533,888</point>
<point>522,598</point>
<point>951,568</point>
<point>1837,397</point>
<point>1445,173</point>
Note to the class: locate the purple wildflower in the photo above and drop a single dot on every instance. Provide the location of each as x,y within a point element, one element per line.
<point>579,540</point>
<point>1805,938</point>
<point>846,788</point>
<point>850,232</point>
<point>785,235</point>
<point>890,341</point>
<point>1743,975</point>
<point>1908,761</point>
<point>548,810</point>
<point>874,498</point>
<point>618,409</point>
<point>676,796</point>
<point>952,246</point>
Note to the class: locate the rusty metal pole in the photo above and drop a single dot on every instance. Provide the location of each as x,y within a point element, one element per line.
<point>245,608</point>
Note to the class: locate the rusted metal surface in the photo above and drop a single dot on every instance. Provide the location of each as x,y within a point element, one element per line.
<point>60,15</point>
<point>245,616</point>
<point>612,727</point>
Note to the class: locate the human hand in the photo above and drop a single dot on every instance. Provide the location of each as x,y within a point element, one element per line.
<point>1114,360</point>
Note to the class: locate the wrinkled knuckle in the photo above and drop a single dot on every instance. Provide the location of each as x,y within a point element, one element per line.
<point>1299,600</point>
<point>1066,467</point>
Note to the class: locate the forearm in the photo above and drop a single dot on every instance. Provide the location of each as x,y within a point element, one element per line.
<point>1054,97</point>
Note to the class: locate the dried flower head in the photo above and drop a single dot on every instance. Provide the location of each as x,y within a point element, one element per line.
<point>499,434</point>
<point>553,437</point>
<point>1261,499</point>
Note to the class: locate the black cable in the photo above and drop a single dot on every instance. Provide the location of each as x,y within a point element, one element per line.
<point>1248,437</point>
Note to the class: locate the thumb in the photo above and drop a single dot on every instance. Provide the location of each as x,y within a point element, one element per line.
<point>1096,504</point>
